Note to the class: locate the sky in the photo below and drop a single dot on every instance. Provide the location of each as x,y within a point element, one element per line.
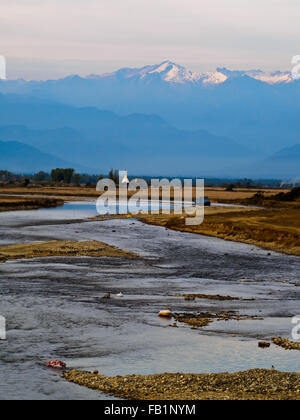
<point>44,39</point>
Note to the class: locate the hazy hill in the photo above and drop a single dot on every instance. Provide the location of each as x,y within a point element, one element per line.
<point>289,154</point>
<point>285,164</point>
<point>20,158</point>
<point>101,139</point>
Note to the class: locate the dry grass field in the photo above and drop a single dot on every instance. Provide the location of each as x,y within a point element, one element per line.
<point>66,192</point>
<point>220,195</point>
<point>10,203</point>
<point>61,249</point>
<point>214,194</point>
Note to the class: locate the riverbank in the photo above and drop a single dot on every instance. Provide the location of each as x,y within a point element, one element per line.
<point>11,203</point>
<point>61,249</point>
<point>272,229</point>
<point>254,384</point>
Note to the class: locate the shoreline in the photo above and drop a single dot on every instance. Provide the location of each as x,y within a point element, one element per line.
<point>269,229</point>
<point>253,384</point>
<point>273,229</point>
<point>12,203</point>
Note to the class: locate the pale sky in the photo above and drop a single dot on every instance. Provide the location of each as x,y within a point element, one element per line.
<point>52,38</point>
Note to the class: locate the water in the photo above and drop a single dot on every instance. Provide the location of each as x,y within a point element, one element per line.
<point>54,306</point>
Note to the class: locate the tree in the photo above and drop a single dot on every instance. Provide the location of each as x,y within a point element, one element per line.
<point>68,174</point>
<point>57,175</point>
<point>41,176</point>
<point>114,175</point>
<point>60,174</point>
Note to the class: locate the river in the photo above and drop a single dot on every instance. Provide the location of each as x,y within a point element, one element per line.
<point>54,307</point>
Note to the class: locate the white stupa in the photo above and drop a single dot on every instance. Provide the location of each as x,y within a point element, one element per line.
<point>123,175</point>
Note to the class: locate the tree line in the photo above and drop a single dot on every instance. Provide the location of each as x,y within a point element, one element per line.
<point>56,176</point>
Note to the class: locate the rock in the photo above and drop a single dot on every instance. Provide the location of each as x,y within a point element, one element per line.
<point>189,297</point>
<point>263,344</point>
<point>166,313</point>
<point>286,343</point>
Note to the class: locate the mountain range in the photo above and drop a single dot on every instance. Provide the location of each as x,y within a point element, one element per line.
<point>159,119</point>
<point>166,71</point>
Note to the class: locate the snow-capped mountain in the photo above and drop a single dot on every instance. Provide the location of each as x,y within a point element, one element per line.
<point>258,110</point>
<point>170,72</point>
<point>167,71</point>
<point>267,77</point>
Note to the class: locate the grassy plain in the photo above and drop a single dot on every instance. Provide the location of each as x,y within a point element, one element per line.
<point>216,194</point>
<point>61,249</point>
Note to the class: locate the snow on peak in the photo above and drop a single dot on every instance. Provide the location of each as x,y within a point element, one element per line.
<point>170,72</point>
<point>215,78</point>
<point>166,71</point>
<point>162,67</point>
<point>274,77</point>
<point>267,77</point>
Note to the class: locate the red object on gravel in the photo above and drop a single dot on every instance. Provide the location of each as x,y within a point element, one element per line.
<point>56,364</point>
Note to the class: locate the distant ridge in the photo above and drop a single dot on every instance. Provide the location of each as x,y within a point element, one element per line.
<point>170,72</point>
<point>20,158</point>
<point>161,117</point>
<point>288,153</point>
